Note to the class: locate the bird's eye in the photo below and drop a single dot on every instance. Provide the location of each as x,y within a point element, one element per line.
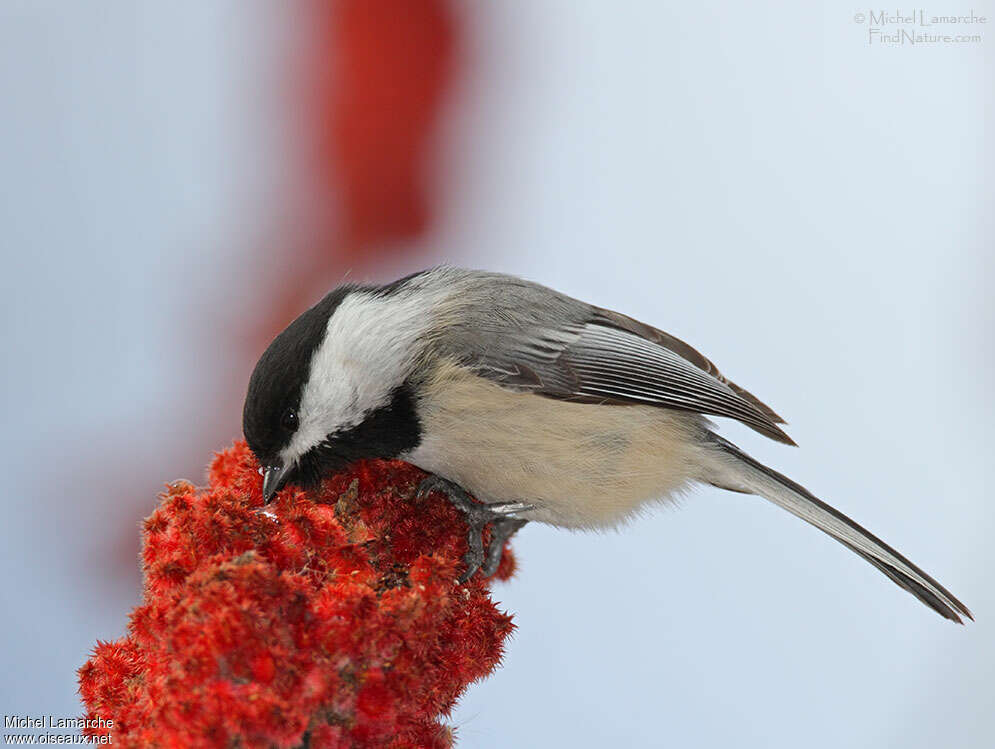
<point>289,420</point>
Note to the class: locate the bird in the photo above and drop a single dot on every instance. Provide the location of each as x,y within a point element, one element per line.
<point>521,404</point>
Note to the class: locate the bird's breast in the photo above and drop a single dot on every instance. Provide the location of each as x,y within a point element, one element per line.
<point>582,465</point>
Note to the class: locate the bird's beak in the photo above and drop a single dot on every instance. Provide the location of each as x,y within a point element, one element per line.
<point>274,477</point>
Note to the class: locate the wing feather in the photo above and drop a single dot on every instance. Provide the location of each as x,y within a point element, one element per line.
<point>599,362</point>
<point>619,364</point>
<point>529,337</point>
<point>682,349</point>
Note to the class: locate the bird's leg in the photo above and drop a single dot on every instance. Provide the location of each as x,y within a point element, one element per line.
<point>478,515</point>
<point>501,531</point>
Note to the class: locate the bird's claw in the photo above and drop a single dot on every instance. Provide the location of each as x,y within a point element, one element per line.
<point>499,515</point>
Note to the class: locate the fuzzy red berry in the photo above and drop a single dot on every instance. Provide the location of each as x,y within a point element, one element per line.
<point>335,622</point>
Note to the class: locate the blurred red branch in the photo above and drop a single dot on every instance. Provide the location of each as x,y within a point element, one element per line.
<point>336,623</point>
<point>381,76</point>
<point>373,78</point>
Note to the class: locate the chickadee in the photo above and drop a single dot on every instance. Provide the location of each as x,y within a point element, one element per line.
<point>541,406</point>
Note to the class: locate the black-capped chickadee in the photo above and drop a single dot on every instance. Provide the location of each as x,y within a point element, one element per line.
<point>541,406</point>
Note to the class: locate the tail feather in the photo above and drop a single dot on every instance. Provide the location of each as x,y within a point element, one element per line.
<point>733,469</point>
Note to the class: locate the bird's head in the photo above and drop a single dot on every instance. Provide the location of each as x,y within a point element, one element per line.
<point>333,388</point>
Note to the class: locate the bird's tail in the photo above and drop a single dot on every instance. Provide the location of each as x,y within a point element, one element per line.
<point>728,467</point>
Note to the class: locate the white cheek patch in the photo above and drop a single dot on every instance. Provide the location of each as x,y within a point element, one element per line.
<point>370,346</point>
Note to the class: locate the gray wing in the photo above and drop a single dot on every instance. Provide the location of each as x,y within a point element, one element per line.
<point>528,337</point>
<point>687,353</point>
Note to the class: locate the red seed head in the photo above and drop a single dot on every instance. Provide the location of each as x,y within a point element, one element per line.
<point>339,620</point>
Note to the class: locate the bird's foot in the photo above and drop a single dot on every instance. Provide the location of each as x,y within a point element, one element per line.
<point>500,515</point>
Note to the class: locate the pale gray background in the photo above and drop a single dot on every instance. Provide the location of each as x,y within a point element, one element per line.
<point>813,213</point>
